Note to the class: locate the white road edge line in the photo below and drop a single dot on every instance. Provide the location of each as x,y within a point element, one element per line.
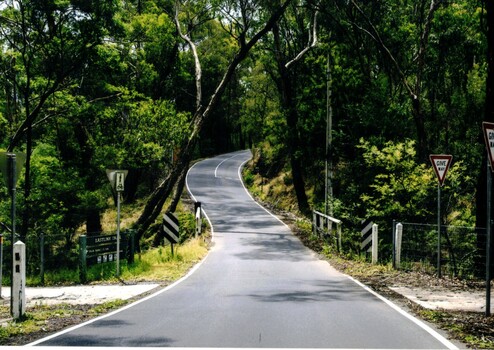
<point>248,193</point>
<point>224,160</point>
<point>419,323</point>
<point>191,271</point>
<point>412,318</point>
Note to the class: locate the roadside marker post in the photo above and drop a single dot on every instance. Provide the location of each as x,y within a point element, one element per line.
<point>488,129</point>
<point>397,245</point>
<point>369,239</point>
<point>197,209</point>
<point>18,298</point>
<point>441,164</point>
<point>171,228</point>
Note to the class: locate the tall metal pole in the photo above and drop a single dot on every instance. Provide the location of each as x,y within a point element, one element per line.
<point>488,246</point>
<point>439,230</point>
<point>328,207</point>
<point>1,263</point>
<point>11,164</point>
<point>118,233</point>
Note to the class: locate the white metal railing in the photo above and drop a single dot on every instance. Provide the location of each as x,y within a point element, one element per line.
<point>322,223</point>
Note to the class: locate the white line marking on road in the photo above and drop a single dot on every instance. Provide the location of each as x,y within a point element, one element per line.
<point>412,318</point>
<point>248,193</point>
<point>418,322</point>
<point>224,160</point>
<point>191,271</point>
<point>194,269</point>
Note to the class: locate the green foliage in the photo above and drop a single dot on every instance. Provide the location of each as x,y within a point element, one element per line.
<point>401,188</point>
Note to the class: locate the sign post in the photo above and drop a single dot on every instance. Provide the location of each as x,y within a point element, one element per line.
<point>488,129</point>
<point>11,166</point>
<point>440,163</point>
<point>117,180</point>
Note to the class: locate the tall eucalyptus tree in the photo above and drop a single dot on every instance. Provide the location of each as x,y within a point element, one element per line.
<point>43,44</point>
<point>247,21</point>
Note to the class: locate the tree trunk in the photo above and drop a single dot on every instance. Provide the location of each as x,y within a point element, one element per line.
<point>157,199</point>
<point>287,93</point>
<point>294,144</point>
<point>178,191</point>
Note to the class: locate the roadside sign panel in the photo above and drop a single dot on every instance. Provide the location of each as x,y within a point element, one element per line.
<point>117,179</point>
<point>171,227</point>
<point>366,235</point>
<point>102,249</point>
<point>20,159</point>
<point>441,163</point>
<point>489,141</point>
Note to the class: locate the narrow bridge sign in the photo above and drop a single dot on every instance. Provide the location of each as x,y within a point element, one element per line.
<point>489,141</point>
<point>441,163</point>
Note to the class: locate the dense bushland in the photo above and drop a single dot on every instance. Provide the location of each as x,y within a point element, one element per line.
<point>150,85</point>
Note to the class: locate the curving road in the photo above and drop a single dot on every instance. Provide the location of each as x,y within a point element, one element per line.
<point>258,287</point>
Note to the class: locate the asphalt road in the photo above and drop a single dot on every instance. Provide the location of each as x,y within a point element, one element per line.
<point>258,287</point>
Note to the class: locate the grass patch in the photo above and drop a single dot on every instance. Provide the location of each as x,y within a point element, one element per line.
<point>41,319</point>
<point>156,265</point>
<point>159,265</point>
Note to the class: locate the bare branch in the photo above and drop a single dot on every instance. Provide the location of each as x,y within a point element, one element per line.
<point>312,42</point>
<point>379,40</point>
<point>197,62</point>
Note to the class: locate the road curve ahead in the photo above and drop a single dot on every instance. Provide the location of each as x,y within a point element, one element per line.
<point>258,287</point>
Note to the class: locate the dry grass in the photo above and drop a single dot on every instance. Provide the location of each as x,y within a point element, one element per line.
<point>159,265</point>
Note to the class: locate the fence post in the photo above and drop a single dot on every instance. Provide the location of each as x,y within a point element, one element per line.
<point>393,238</point>
<point>42,258</point>
<point>131,246</point>
<point>1,263</point>
<point>374,243</point>
<point>398,238</point>
<point>314,225</point>
<point>82,259</point>
<point>339,237</point>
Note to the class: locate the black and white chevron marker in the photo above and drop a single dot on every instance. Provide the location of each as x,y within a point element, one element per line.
<point>171,227</point>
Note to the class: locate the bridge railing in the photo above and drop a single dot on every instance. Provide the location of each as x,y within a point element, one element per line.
<point>326,227</point>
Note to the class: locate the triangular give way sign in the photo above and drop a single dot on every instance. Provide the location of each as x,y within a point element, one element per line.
<point>489,141</point>
<point>441,163</point>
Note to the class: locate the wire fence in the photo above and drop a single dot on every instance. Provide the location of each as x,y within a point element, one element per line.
<point>44,252</point>
<point>461,251</point>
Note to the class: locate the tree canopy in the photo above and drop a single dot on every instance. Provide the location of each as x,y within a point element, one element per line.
<point>149,85</point>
